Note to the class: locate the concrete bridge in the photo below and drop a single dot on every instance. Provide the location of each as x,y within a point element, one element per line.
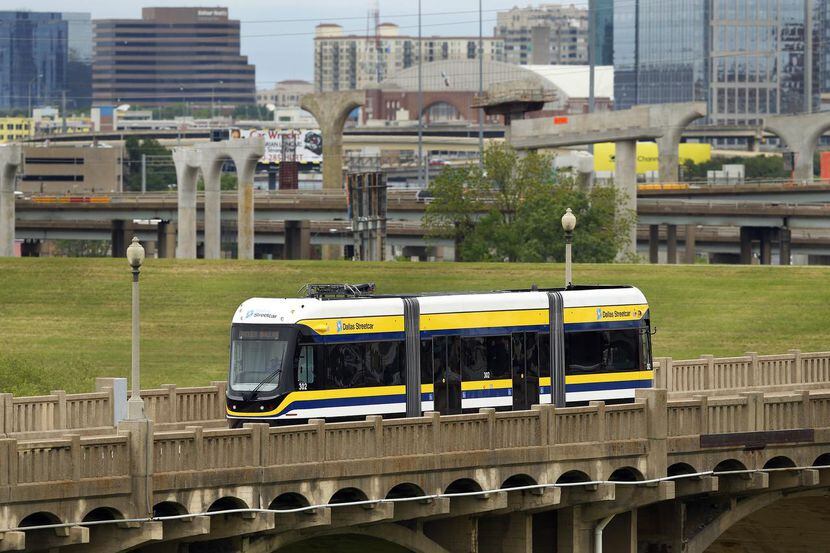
<point>679,472</point>
<point>768,219</point>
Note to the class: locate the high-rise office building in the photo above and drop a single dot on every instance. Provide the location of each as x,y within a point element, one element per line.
<point>79,60</point>
<point>33,58</point>
<point>550,34</point>
<point>745,58</point>
<point>171,56</point>
<point>824,42</point>
<point>349,62</point>
<point>602,31</point>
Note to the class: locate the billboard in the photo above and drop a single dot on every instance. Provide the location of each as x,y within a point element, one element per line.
<point>308,148</point>
<point>647,155</point>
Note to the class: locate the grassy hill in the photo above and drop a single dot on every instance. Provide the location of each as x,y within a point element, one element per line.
<point>65,321</point>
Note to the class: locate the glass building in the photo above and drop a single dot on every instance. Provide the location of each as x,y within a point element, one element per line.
<point>745,58</point>
<point>602,30</point>
<point>33,58</point>
<point>79,60</point>
<point>824,42</point>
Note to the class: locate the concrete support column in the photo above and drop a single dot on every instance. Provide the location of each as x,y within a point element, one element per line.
<point>746,246</point>
<point>620,536</point>
<point>671,244</point>
<point>511,533</point>
<point>457,535</point>
<point>766,246</point>
<point>119,239</point>
<point>186,173</point>
<point>245,209</point>
<point>691,231</point>
<point>668,157</point>
<point>625,179</point>
<point>11,158</point>
<point>297,240</point>
<point>211,173</point>
<point>800,133</point>
<point>573,534</point>
<point>785,244</point>
<point>654,243</point>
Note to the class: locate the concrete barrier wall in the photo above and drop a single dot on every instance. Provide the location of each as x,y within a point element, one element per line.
<point>171,407</point>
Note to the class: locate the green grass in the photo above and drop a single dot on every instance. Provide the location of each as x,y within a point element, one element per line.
<point>65,321</point>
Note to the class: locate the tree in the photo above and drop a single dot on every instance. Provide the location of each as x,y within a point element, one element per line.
<point>510,210</point>
<point>757,167</point>
<point>161,172</point>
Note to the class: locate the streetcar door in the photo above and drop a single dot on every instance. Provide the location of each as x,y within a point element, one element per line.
<point>446,374</point>
<point>525,357</point>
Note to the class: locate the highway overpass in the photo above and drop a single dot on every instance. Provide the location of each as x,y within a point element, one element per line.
<point>51,217</point>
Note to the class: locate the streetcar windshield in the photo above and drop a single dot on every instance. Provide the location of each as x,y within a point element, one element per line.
<point>260,357</point>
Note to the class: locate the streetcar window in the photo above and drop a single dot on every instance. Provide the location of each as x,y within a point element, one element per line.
<point>474,359</point>
<point>346,365</point>
<point>384,364</point>
<point>258,357</point>
<point>426,361</point>
<point>311,368</point>
<point>498,356</point>
<point>544,355</point>
<point>602,351</point>
<point>526,353</point>
<point>645,353</point>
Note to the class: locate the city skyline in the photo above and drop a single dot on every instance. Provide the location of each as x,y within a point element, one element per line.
<point>281,44</point>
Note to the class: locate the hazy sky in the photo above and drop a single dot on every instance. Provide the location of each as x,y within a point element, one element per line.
<point>277,35</point>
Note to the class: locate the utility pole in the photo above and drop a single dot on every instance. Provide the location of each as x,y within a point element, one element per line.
<point>480,88</point>
<point>420,103</point>
<point>592,28</point>
<point>63,112</point>
<point>143,173</point>
<point>808,56</point>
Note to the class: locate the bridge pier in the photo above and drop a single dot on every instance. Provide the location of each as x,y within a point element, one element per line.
<point>785,244</point>
<point>119,239</point>
<point>691,231</point>
<point>186,173</point>
<point>211,175</point>
<point>800,133</point>
<point>11,159</point>
<point>166,239</point>
<point>331,109</point>
<point>245,159</point>
<point>625,180</point>
<point>297,240</point>
<point>671,244</point>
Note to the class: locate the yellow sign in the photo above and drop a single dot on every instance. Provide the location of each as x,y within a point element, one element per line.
<point>647,155</point>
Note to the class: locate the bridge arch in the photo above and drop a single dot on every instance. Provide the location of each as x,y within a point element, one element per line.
<point>463,485</point>
<point>519,480</point>
<point>289,500</point>
<point>103,513</point>
<point>38,519</point>
<point>729,465</point>
<point>626,474</point>
<point>573,477</point>
<point>406,489</point>
<point>405,539</point>
<point>168,508</point>
<point>678,469</point>
<point>348,495</point>
<point>772,521</point>
<point>822,460</point>
<point>779,462</point>
<point>227,503</point>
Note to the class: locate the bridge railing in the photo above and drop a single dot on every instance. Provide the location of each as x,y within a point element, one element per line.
<point>109,460</point>
<point>173,408</point>
<point>748,372</point>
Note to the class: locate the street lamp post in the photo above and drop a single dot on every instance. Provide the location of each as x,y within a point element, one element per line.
<point>568,224</point>
<point>31,81</point>
<point>135,405</point>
